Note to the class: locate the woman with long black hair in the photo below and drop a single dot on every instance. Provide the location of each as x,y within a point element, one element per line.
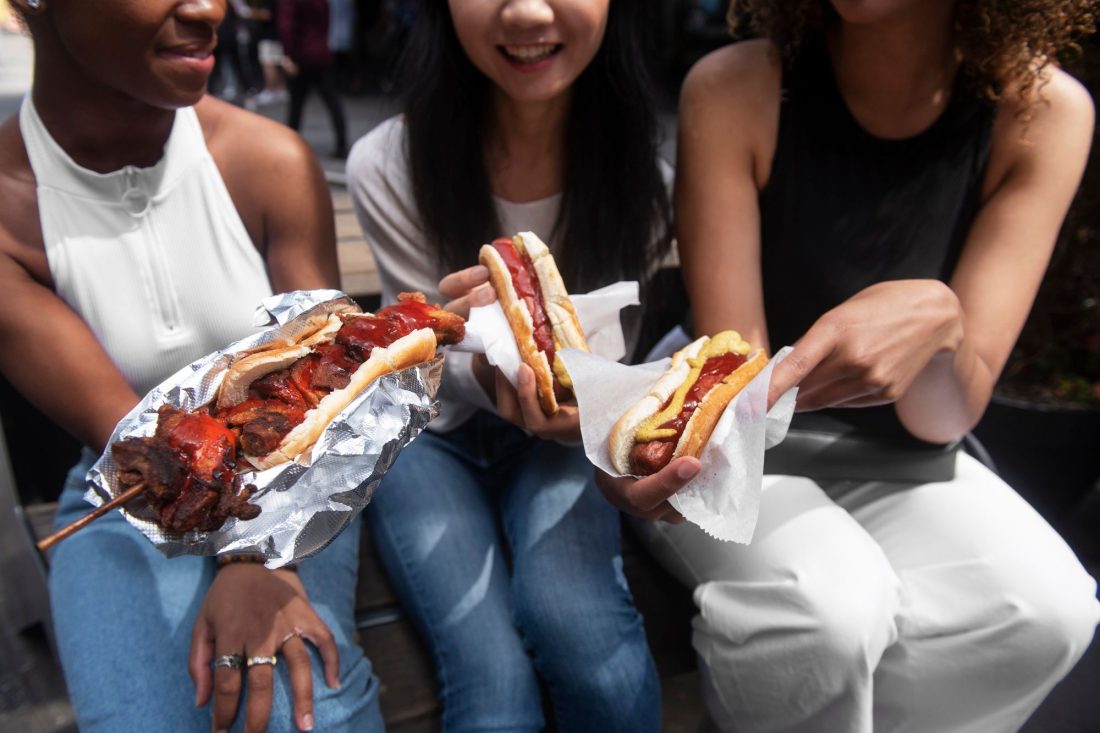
<point>519,115</point>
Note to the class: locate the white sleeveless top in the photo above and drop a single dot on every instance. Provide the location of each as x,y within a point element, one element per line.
<point>156,260</point>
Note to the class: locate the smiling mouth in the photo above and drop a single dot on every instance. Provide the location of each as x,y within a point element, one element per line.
<point>199,54</point>
<point>530,54</point>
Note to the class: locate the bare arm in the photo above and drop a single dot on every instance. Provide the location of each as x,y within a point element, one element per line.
<point>729,110</point>
<point>1035,169</point>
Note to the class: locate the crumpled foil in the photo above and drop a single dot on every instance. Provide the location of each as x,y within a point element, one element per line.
<point>304,505</point>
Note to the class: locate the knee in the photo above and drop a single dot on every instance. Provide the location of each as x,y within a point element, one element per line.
<point>602,631</point>
<point>842,622</point>
<point>1049,623</point>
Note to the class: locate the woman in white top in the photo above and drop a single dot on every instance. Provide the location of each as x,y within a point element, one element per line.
<point>142,222</point>
<point>520,114</point>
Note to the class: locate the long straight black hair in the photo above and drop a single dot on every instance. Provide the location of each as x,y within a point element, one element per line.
<point>614,220</point>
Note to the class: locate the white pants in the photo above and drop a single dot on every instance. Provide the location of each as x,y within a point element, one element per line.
<point>878,606</point>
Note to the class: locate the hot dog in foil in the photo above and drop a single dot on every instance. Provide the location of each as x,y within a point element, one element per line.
<point>303,504</point>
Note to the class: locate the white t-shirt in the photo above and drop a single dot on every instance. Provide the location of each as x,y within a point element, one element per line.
<point>381,190</point>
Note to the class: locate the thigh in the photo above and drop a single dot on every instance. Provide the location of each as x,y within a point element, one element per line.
<point>809,565</point>
<point>969,549</point>
<point>571,598</point>
<point>435,529</point>
<point>330,579</point>
<point>122,615</point>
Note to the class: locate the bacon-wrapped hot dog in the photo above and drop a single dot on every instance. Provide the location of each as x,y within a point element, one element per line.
<point>273,404</point>
<point>282,400</point>
<point>678,414</point>
<point>537,306</point>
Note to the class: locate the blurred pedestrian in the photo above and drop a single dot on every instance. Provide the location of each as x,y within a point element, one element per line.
<point>303,29</point>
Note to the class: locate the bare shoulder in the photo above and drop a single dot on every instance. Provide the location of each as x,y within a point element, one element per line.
<point>237,137</point>
<point>20,229</point>
<point>748,71</point>
<point>270,172</point>
<point>1053,121</point>
<point>729,105</point>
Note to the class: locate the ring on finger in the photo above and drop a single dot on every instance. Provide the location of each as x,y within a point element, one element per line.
<point>254,661</point>
<point>289,636</point>
<point>229,661</point>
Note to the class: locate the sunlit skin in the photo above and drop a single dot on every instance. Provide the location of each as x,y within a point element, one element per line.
<point>933,350</point>
<point>109,75</point>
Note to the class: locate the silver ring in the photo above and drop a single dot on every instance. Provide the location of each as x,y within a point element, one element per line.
<point>253,661</point>
<point>289,636</point>
<point>230,661</point>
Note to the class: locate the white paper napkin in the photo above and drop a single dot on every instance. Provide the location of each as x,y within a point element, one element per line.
<point>488,332</point>
<point>724,498</point>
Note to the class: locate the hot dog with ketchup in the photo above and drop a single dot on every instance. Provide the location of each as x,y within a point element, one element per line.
<point>537,305</point>
<point>678,414</point>
<point>272,406</point>
<point>281,400</point>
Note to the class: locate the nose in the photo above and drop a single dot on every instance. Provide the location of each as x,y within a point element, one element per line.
<point>208,12</point>
<point>527,13</point>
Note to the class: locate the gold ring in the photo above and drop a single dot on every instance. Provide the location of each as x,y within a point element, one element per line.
<point>253,661</point>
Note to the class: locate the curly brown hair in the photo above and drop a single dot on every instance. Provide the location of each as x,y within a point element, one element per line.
<point>1002,44</point>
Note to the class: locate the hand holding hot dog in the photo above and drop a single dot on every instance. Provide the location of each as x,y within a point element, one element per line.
<point>521,406</point>
<point>466,289</point>
<point>647,497</point>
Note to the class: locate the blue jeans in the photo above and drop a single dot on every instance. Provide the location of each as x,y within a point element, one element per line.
<point>447,515</point>
<point>123,615</point>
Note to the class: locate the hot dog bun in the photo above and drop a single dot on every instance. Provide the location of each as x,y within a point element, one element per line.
<point>684,366</point>
<point>556,303</point>
<point>253,365</point>
<point>409,350</point>
<point>332,361</point>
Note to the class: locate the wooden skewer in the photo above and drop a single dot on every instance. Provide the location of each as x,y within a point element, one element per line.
<point>48,542</point>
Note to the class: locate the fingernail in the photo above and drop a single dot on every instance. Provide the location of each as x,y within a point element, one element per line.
<point>686,470</point>
<point>307,721</point>
<point>525,377</point>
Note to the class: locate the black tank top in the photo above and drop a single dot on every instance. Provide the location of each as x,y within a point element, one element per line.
<point>844,209</point>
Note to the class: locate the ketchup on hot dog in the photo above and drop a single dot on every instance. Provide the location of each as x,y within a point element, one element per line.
<point>526,283</point>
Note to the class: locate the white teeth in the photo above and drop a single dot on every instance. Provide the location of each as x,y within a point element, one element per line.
<point>530,54</point>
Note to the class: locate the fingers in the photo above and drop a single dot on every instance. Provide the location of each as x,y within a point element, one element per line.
<point>809,351</point>
<point>457,284</point>
<point>647,497</point>
<point>200,659</point>
<point>227,691</point>
<point>318,634</point>
<point>481,296</point>
<point>528,398</point>
<point>261,685</point>
<point>301,680</point>
<point>467,289</point>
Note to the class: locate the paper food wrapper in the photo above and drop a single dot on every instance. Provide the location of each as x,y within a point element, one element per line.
<point>488,332</point>
<point>724,498</point>
<point>304,505</point>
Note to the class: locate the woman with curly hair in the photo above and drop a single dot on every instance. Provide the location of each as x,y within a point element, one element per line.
<point>879,184</point>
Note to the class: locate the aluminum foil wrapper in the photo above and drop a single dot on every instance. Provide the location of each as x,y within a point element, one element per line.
<point>304,505</point>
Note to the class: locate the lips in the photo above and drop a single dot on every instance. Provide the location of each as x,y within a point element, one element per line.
<point>531,53</point>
